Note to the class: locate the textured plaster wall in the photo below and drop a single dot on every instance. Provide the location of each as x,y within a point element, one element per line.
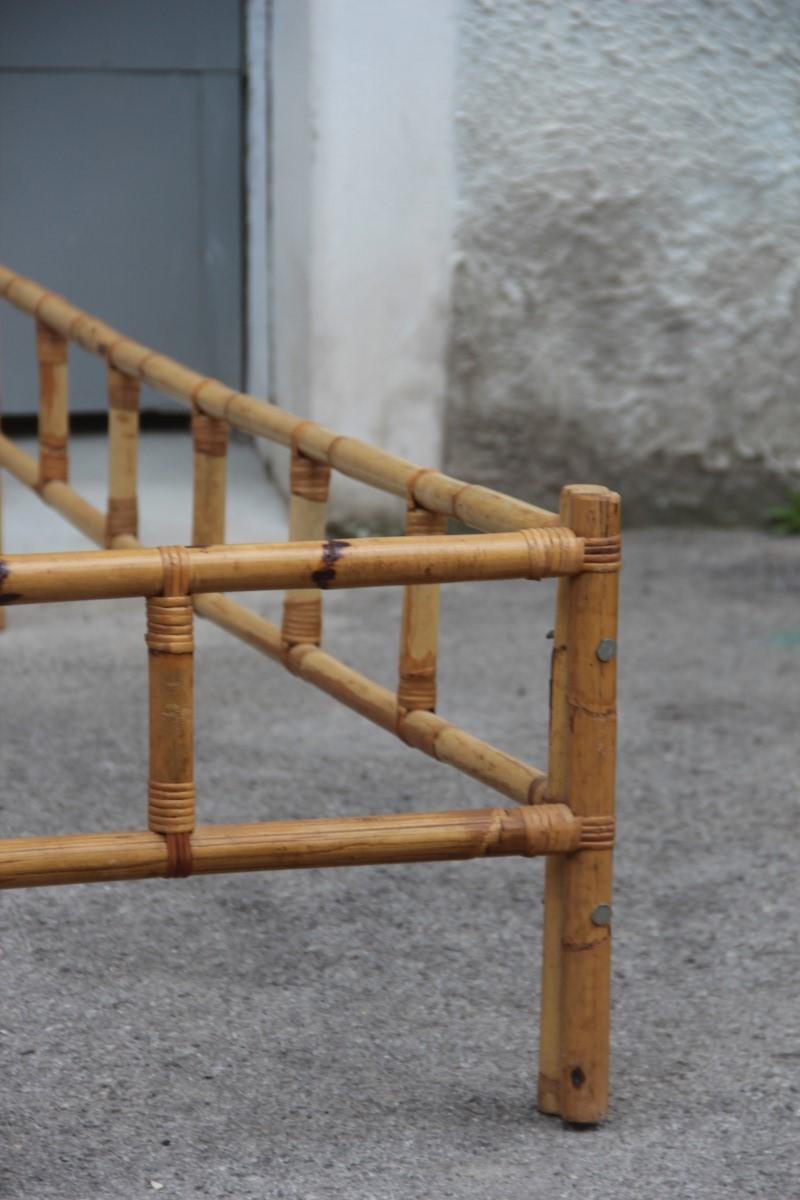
<point>627,284</point>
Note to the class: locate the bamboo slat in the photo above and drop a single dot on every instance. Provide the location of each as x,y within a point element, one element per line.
<point>51,354</point>
<point>480,508</point>
<point>123,453</point>
<point>286,845</point>
<point>365,562</point>
<point>170,645</point>
<point>309,482</point>
<point>590,753</point>
<point>210,441</point>
<point>419,628</point>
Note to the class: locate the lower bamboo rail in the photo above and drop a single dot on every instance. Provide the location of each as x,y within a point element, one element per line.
<point>283,845</point>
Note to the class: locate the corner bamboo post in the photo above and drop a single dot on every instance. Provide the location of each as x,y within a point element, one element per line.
<point>548,1096</point>
<point>590,751</point>
<point>170,646</point>
<point>122,516</point>
<point>309,482</point>
<point>210,441</point>
<point>51,354</point>
<point>419,633</point>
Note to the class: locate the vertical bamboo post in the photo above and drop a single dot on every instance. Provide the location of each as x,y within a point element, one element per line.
<point>122,516</point>
<point>210,441</point>
<point>309,482</point>
<point>548,1097</point>
<point>585,983</point>
<point>419,632</point>
<point>51,354</point>
<point>170,645</point>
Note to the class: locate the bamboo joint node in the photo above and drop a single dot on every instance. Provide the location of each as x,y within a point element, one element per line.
<point>302,619</point>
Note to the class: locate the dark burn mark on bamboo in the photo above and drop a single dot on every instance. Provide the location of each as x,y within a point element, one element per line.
<point>332,551</point>
<point>577,1076</point>
<point>7,597</point>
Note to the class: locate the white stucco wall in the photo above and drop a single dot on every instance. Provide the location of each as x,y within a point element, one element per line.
<point>362,187</point>
<point>627,294</point>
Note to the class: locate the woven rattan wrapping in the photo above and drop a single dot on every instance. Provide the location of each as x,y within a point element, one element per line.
<point>209,434</point>
<point>308,478</point>
<point>302,619</point>
<point>602,554</point>
<point>170,807</point>
<point>122,517</point>
<point>53,459</point>
<point>51,347</point>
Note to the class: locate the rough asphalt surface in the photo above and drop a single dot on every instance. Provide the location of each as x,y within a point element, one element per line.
<point>371,1033</point>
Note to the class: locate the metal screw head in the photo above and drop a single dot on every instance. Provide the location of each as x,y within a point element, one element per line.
<point>606,650</point>
<point>601,915</point>
<point>551,633</point>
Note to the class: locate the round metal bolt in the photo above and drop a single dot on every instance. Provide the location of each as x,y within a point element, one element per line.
<point>601,915</point>
<point>606,650</point>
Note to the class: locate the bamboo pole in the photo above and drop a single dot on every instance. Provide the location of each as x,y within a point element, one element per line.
<point>480,508</point>
<point>309,482</point>
<point>122,516</point>
<point>549,1082</point>
<point>170,646</point>
<point>51,354</point>
<point>286,845</point>
<point>365,562</point>
<point>590,752</point>
<point>419,630</point>
<point>210,441</point>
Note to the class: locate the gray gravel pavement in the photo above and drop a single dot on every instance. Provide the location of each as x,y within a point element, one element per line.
<point>371,1033</point>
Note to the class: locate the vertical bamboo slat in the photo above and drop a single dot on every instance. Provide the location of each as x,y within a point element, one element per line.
<point>122,517</point>
<point>51,354</point>
<point>419,632</point>
<point>170,645</point>
<point>309,482</point>
<point>585,983</point>
<point>210,441</point>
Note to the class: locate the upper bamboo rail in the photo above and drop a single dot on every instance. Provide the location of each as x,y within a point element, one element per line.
<point>475,506</point>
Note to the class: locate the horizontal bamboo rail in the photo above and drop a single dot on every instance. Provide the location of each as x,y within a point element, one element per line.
<point>285,845</point>
<point>478,507</point>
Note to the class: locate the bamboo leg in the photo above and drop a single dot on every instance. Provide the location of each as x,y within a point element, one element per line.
<point>210,438</point>
<point>122,516</point>
<point>309,482</point>
<point>420,626</point>
<point>548,1098</point>
<point>170,647</point>
<point>585,981</point>
<point>51,352</point>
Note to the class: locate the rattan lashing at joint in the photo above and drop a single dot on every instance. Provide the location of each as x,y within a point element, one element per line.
<point>602,554</point>
<point>307,477</point>
<point>209,434</point>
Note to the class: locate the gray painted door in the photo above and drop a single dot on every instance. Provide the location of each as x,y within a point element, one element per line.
<point>120,179</point>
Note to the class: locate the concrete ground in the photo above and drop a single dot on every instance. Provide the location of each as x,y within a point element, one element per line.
<point>372,1033</point>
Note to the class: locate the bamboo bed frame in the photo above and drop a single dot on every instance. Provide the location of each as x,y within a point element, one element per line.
<point>565,813</point>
